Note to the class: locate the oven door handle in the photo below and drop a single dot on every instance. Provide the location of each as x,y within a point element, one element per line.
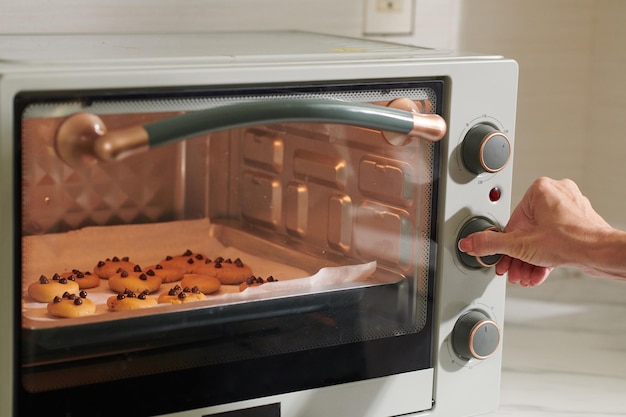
<point>83,137</point>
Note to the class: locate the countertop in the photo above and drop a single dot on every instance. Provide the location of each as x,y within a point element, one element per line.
<point>565,348</point>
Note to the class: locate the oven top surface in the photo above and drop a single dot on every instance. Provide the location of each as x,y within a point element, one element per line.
<point>216,47</point>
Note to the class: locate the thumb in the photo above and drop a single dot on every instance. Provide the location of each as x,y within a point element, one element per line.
<point>487,243</point>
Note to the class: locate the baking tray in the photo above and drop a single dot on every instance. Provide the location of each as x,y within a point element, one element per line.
<point>318,280</point>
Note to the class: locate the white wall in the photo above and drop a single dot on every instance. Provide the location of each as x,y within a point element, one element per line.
<point>551,40</point>
<point>572,97</point>
<point>435,19</point>
<point>605,142</point>
<point>572,89</point>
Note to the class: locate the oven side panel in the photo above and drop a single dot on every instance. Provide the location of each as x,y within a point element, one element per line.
<point>481,92</point>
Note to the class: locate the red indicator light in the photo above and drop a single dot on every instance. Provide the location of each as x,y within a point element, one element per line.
<point>495,194</point>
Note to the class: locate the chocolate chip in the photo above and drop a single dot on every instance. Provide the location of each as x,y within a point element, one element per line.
<point>124,274</point>
<point>182,295</point>
<point>228,261</point>
<point>195,290</point>
<point>43,280</point>
<point>83,294</point>
<point>78,301</point>
<point>219,259</point>
<point>100,264</point>
<point>143,277</point>
<point>150,272</point>
<point>172,291</point>
<point>271,279</point>
<point>125,259</point>
<point>217,265</point>
<point>238,263</point>
<point>188,253</point>
<point>158,266</point>
<point>199,257</point>
<point>56,277</point>
<point>187,289</point>
<point>121,296</point>
<point>190,261</point>
<point>57,299</point>
<point>168,258</point>
<point>115,259</point>
<point>63,281</point>
<point>137,268</point>
<point>142,296</point>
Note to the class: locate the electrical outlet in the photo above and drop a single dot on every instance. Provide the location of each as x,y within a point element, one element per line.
<point>388,17</point>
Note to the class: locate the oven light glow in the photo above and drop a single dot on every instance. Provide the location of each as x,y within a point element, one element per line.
<point>495,194</point>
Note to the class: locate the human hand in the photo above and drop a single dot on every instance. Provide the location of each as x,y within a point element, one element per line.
<point>553,225</point>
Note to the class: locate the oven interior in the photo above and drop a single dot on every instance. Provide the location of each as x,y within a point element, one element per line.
<point>343,220</point>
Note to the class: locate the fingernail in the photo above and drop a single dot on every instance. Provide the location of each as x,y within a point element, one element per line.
<point>465,245</point>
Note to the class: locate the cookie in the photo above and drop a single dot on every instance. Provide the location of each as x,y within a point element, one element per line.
<point>167,272</point>
<point>205,283</point>
<point>188,261</point>
<point>255,282</point>
<point>229,272</point>
<point>179,295</point>
<point>108,268</point>
<point>135,280</point>
<point>85,280</point>
<point>129,300</point>
<point>72,305</point>
<point>44,290</point>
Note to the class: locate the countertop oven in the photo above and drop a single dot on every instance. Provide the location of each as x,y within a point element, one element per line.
<point>290,205</point>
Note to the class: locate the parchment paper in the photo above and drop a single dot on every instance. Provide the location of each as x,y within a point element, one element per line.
<point>147,245</point>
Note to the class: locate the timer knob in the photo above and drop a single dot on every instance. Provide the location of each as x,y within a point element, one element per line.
<point>475,335</point>
<point>485,149</point>
<point>473,225</point>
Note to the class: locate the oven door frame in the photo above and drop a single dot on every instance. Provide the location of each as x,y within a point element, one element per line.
<point>348,364</point>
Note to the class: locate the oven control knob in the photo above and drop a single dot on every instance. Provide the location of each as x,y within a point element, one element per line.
<point>485,149</point>
<point>473,225</point>
<point>475,336</point>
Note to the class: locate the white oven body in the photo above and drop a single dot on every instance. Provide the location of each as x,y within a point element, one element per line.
<point>477,89</point>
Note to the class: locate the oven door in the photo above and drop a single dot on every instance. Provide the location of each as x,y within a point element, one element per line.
<point>338,224</point>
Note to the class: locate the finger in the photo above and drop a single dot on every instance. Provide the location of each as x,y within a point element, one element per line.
<point>526,270</point>
<point>539,275</point>
<point>503,265</point>
<point>487,243</point>
<point>515,271</point>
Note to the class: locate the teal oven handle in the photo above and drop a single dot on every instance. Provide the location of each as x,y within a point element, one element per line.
<point>83,138</point>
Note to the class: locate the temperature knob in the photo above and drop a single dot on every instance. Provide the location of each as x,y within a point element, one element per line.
<point>473,225</point>
<point>475,335</point>
<point>485,149</point>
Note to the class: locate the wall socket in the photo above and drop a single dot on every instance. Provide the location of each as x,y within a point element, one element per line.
<point>388,17</point>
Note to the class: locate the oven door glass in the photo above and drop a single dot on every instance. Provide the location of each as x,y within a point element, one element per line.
<point>311,245</point>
